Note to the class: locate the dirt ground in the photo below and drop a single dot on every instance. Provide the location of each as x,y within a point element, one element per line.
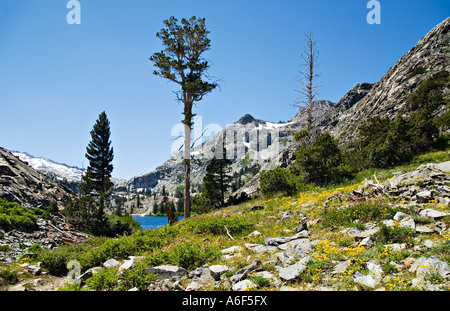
<point>37,283</point>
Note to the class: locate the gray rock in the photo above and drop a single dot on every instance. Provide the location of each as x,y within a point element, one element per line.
<point>254,233</point>
<point>407,223</point>
<point>374,267</point>
<point>367,242</point>
<point>167,271</point>
<point>259,248</point>
<point>253,266</point>
<point>400,216</point>
<point>287,215</point>
<point>396,246</point>
<point>127,264</point>
<point>218,270</point>
<point>341,267</point>
<point>424,196</point>
<point>193,286</point>
<point>17,288</point>
<point>366,280</point>
<point>424,229</point>
<point>34,269</point>
<point>243,285</point>
<point>232,250</point>
<point>432,213</point>
<point>423,266</point>
<point>429,244</point>
<point>293,271</point>
<point>111,263</point>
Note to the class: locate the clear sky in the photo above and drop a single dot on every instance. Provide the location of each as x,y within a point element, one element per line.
<point>56,78</point>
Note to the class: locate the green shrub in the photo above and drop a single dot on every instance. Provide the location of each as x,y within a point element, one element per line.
<point>136,277</point>
<point>35,249</point>
<point>14,215</point>
<point>442,251</point>
<point>260,281</point>
<point>4,248</point>
<point>387,235</point>
<point>9,276</point>
<point>363,212</point>
<point>104,279</point>
<point>278,180</point>
<point>417,71</point>
<point>97,250</point>
<point>183,253</point>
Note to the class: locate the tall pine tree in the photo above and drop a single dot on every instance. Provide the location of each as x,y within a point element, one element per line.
<point>96,185</point>
<point>216,183</point>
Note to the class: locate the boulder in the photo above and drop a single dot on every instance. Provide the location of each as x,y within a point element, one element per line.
<point>167,271</point>
<point>432,213</point>
<point>341,267</point>
<point>243,285</point>
<point>424,229</point>
<point>399,216</point>
<point>111,263</point>
<point>424,196</point>
<point>127,264</point>
<point>259,248</point>
<point>408,223</point>
<point>218,270</point>
<point>231,250</point>
<point>34,269</point>
<point>293,271</point>
<point>423,266</point>
<point>366,280</point>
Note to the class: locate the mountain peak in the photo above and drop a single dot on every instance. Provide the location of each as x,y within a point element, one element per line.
<point>246,119</point>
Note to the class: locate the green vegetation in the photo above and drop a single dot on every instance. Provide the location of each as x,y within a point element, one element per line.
<point>362,211</point>
<point>198,240</point>
<point>8,276</point>
<point>321,164</point>
<point>383,143</point>
<point>14,215</point>
<point>216,183</point>
<point>278,180</point>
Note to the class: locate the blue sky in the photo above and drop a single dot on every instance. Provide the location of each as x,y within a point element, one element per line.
<point>56,78</point>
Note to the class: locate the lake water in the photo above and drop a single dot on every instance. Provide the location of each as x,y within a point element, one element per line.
<point>153,222</point>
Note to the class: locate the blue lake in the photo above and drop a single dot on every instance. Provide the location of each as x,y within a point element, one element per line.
<point>153,222</point>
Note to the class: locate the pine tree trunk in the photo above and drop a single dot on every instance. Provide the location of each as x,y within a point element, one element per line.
<point>187,171</point>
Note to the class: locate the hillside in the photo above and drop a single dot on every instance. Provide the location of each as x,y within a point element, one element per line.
<point>67,175</point>
<point>430,55</point>
<point>390,233</point>
<point>21,184</point>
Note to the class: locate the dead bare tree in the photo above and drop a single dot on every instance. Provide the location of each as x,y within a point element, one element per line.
<point>308,84</point>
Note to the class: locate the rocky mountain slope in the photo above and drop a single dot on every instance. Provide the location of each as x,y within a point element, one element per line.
<point>430,55</point>
<point>67,175</point>
<point>22,184</point>
<point>249,142</point>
